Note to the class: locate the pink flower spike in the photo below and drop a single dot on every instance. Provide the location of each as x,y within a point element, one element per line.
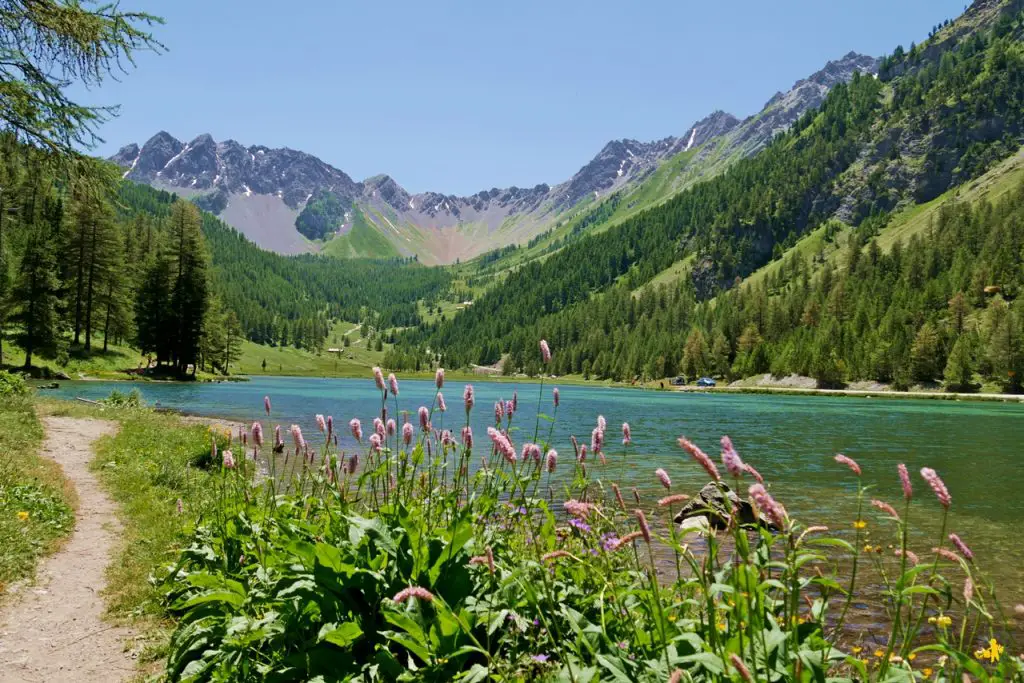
<point>849,462</point>
<point>257,434</point>
<point>266,404</point>
<point>597,440</point>
<point>278,441</point>
<point>701,457</point>
<point>749,469</point>
<point>375,442</point>
<point>441,405</point>
<point>555,396</point>
<point>321,424</point>
<point>357,428</point>
<point>946,554</point>
<point>515,402</point>
<point>908,490</point>
<point>641,519</point>
<point>886,508</point>
<point>618,497</point>
<point>627,434</point>
<point>424,418</point>
<point>938,486</point>
<point>673,499</point>
<point>391,426</point>
<point>962,547</point>
<point>731,459</point>
<point>551,460</point>
<point>545,351</point>
<point>330,426</point>
<point>911,555</point>
<point>663,478</point>
<point>378,378</point>
<point>602,424</point>
<point>439,378</point>
<point>414,592</point>
<point>300,443</point>
<point>768,505</point>
<point>578,509</point>
<point>467,397</point>
<point>499,411</point>
<point>467,437</point>
<point>229,460</point>
<point>393,384</point>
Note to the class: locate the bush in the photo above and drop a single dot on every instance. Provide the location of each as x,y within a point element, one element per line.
<point>12,385</point>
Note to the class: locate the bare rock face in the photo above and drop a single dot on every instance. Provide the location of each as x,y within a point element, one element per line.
<point>710,504</point>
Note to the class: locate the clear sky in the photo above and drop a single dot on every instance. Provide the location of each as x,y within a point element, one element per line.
<point>459,96</point>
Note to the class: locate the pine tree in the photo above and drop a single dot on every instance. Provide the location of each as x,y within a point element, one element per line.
<point>925,354</point>
<point>959,372</point>
<point>190,288</point>
<point>153,320</point>
<point>37,295</point>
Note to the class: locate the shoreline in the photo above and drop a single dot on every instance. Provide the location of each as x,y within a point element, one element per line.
<point>859,393</point>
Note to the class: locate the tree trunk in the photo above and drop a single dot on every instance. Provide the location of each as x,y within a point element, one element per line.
<point>78,285</point>
<point>88,296</point>
<point>106,323</point>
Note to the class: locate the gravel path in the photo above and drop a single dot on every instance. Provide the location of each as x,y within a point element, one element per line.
<point>54,629</point>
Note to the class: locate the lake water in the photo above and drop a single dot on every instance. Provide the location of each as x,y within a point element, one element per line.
<point>976,447</point>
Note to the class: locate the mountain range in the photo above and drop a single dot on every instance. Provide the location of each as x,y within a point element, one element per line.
<point>291,202</point>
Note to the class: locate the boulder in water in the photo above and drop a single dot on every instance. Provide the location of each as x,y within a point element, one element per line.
<point>709,505</point>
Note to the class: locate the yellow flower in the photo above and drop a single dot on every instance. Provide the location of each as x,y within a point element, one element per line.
<point>865,662</point>
<point>721,626</point>
<point>857,649</point>
<point>868,548</point>
<point>879,653</point>
<point>992,652</point>
<point>859,524</point>
<point>942,621</point>
<point>912,656</point>
<point>672,617</point>
<point>927,672</point>
<point>23,516</point>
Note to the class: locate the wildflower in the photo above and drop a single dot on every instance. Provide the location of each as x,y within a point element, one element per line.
<point>321,423</point>
<point>578,509</point>
<point>642,521</point>
<point>330,426</point>
<point>701,457</point>
<point>776,513</point>
<point>849,462</point>
<point>879,653</point>
<point>515,401</point>
<point>353,463</point>
<point>510,410</point>
<point>908,490</point>
<point>968,590</point>
<point>413,592</point>
<point>179,506</point>
<point>424,418</point>
<point>597,440</point>
<point>636,495</point>
<point>627,435</point>
<point>257,434</point>
<point>391,426</point>
<point>545,351</point>
<point>447,439</point>
<point>554,394</point>
<point>962,547</point>
<point>502,444</point>
<point>300,443</point>
<point>609,541</point>
<point>229,460</point>
<point>992,653</point>
<point>856,649</point>
<point>467,397</point>
<point>673,499</point>
<point>266,404</point>
<point>886,508</point>
<point>23,515</point>
<point>749,469</point>
<point>741,667</point>
<point>580,525</point>
<point>912,656</point>
<point>602,424</point>
<point>499,411</point>
<point>357,428</point>
<point>933,479</point>
<point>627,539</point>
<point>859,524</point>
<point>540,659</point>
<point>910,554</point>
<point>731,459</point>
<point>927,671</point>
<point>375,442</point>
<point>663,477</point>
<point>378,378</point>
<point>213,449</point>
<point>467,436</point>
<point>618,496</point>
<point>441,405</point>
<point>555,555</point>
<point>582,454</point>
<point>278,441</point>
<point>942,552</point>
<point>439,378</point>
<point>676,676</point>
<point>486,559</point>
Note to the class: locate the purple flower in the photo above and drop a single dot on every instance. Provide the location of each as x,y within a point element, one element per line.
<point>962,547</point>
<point>499,411</point>
<point>357,428</point>
<point>266,404</point>
<point>379,428</point>
<point>441,405</point>
<point>627,434</point>
<point>392,427</point>
<point>467,397</point>
<point>849,462</point>
<point>731,459</point>
<point>551,460</point>
<point>439,378</point>
<point>407,433</point>
<point>609,541</point>
<point>540,659</point>
<point>555,396</point>
<point>580,524</point>
<point>467,436</point>
<point>663,478</point>
<point>424,418</point>
<point>375,442</point>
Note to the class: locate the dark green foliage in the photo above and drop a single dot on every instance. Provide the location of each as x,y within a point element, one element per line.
<point>323,214</point>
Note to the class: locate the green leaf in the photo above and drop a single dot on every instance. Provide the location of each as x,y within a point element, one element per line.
<point>616,673</point>
<point>233,599</point>
<point>344,635</point>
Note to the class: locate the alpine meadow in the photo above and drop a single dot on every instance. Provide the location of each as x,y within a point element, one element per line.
<point>263,421</point>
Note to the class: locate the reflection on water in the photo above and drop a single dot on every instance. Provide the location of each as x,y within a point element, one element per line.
<point>975,447</point>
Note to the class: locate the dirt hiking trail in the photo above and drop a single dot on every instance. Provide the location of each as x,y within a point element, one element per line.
<point>54,630</point>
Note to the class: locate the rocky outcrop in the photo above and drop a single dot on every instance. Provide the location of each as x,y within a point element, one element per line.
<point>711,504</point>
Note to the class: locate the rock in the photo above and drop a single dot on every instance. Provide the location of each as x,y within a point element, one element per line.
<point>698,524</point>
<point>60,374</point>
<point>709,505</point>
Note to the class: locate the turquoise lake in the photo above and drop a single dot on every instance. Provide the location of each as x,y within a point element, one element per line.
<point>976,447</point>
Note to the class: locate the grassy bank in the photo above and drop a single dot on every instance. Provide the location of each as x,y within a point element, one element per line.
<point>35,502</point>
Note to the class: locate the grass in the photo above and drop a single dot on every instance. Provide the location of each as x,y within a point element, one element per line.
<point>95,363</point>
<point>35,500</point>
<point>354,360</point>
<point>362,241</point>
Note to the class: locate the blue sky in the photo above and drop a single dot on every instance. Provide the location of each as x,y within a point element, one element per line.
<point>457,97</point>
